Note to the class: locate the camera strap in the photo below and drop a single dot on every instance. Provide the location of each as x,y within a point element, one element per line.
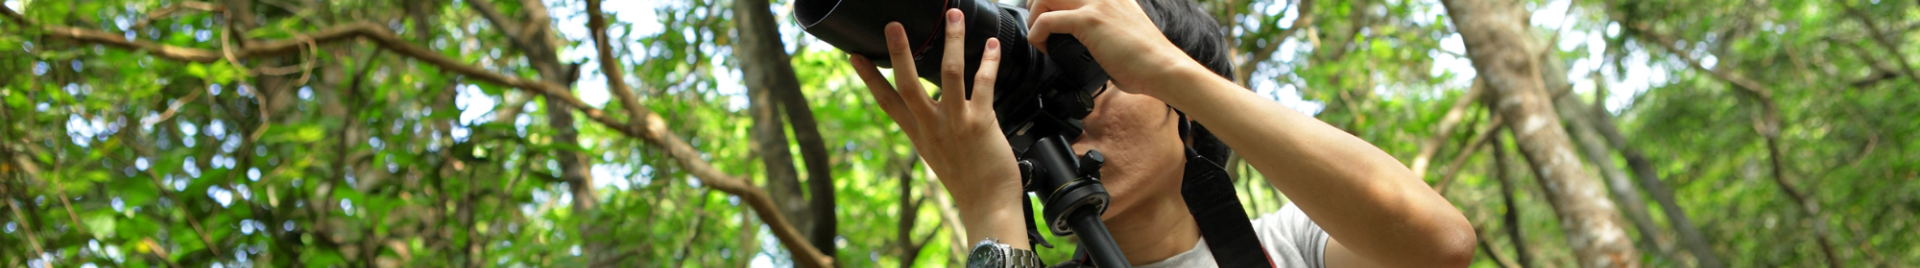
<point>1216,210</point>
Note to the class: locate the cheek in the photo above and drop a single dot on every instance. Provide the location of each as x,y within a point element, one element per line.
<point>1137,135</point>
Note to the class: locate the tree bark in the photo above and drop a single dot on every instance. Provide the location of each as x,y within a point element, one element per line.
<point>765,63</point>
<point>1650,180</point>
<point>1495,34</point>
<point>770,142</point>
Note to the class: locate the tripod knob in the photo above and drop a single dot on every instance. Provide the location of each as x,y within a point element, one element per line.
<point>1091,162</point>
<point>1026,173</point>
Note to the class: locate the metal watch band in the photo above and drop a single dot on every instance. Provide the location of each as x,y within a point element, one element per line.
<point>1022,258</point>
<point>990,253</point>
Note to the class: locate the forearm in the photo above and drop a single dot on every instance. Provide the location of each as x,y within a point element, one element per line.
<point>1359,194</point>
<point>996,216</point>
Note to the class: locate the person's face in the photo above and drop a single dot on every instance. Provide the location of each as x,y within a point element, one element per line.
<point>1140,138</point>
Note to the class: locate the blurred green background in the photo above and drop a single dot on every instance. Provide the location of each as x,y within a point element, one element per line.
<point>366,133</point>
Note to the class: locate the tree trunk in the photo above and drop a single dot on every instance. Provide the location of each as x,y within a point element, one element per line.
<point>1617,181</point>
<point>1573,112</point>
<point>768,69</point>
<point>1495,34</point>
<point>770,142</point>
<point>573,164</point>
<point>1650,180</point>
<point>1502,170</point>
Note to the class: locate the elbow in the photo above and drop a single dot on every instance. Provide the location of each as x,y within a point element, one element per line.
<point>1456,249</point>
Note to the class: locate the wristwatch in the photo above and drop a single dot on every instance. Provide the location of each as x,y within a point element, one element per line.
<point>990,253</point>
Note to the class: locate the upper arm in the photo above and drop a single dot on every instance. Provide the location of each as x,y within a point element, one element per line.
<point>1339,257</point>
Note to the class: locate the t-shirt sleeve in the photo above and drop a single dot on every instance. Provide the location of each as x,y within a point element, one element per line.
<point>1291,239</point>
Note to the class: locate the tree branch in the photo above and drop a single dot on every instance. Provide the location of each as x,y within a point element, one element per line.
<point>1503,171</point>
<point>1487,133</point>
<point>1487,247</point>
<point>1768,125</point>
<point>1445,129</point>
<point>520,35</point>
<point>1883,39</point>
<point>909,216</point>
<point>610,65</point>
<point>176,7</point>
<point>1244,72</point>
<point>767,66</point>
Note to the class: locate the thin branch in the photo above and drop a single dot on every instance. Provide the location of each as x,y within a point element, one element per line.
<point>25,227</point>
<point>610,65</point>
<point>174,107</point>
<point>1488,248</point>
<point>514,32</point>
<point>176,7</point>
<point>1503,171</point>
<point>32,172</point>
<point>1305,18</point>
<point>1445,129</point>
<point>909,215</point>
<point>1487,132</point>
<point>141,150</point>
<point>1881,37</point>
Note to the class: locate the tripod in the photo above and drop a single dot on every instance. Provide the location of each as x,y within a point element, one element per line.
<point>1073,195</point>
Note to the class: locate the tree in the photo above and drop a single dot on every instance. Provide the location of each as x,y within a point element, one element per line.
<point>356,133</point>
<point>1499,46</point>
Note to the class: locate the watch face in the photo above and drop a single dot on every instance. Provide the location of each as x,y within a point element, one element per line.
<point>986,256</point>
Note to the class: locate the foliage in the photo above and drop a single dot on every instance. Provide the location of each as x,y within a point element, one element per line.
<point>348,153</point>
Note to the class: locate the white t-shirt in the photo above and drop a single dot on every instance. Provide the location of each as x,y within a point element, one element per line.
<point>1290,239</point>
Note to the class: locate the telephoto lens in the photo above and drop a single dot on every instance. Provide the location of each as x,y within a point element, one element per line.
<point>857,26</point>
<point>1052,91</point>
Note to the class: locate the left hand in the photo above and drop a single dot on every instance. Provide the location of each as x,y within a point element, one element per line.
<point>958,137</point>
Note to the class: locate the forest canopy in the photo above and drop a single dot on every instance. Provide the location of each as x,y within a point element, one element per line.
<point>707,133</point>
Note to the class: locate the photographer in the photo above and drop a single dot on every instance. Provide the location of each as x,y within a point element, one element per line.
<point>1353,204</point>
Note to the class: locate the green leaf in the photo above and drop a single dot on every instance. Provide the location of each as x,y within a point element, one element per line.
<point>96,176</point>
<point>100,223</point>
<point>197,70</point>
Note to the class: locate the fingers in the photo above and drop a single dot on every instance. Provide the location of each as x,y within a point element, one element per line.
<point>953,63</point>
<point>982,98</point>
<point>1047,24</point>
<point>911,94</point>
<point>883,94</point>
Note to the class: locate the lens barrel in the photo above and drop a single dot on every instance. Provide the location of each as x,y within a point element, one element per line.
<point>1051,91</point>
<point>858,27</point>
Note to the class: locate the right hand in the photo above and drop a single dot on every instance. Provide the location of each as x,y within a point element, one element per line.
<point>958,137</point>
<point>1119,35</point>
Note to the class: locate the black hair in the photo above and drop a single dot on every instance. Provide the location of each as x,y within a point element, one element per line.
<point>1194,31</point>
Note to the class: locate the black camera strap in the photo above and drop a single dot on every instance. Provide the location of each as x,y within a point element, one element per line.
<point>1216,209</point>
<point>1208,190</point>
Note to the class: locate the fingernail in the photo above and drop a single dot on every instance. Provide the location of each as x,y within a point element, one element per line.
<point>993,43</point>
<point>953,17</point>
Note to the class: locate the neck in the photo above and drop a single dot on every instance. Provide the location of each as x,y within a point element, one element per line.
<point>1155,231</point>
